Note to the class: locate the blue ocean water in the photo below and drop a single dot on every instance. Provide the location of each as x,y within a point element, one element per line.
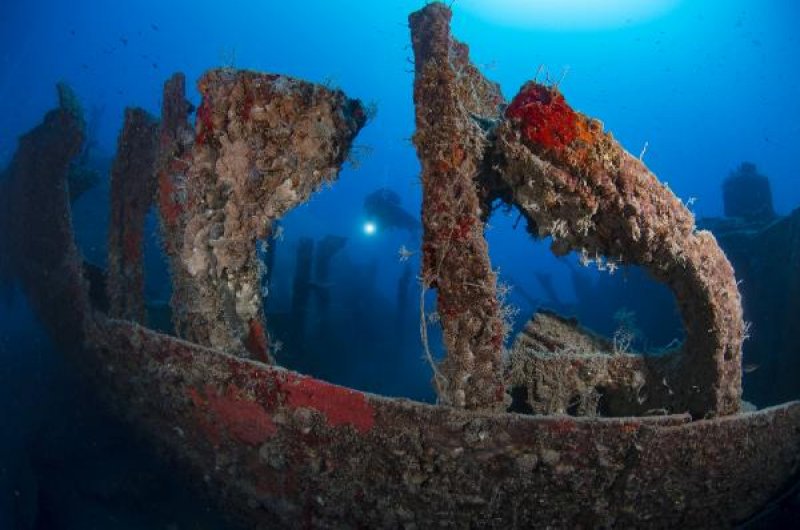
<point>696,87</point>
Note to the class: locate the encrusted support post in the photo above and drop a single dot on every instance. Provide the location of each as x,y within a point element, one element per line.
<point>263,144</point>
<point>174,158</point>
<point>133,185</point>
<point>453,101</point>
<point>574,182</point>
<point>37,221</point>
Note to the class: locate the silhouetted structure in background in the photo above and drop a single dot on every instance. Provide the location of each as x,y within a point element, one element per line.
<point>747,195</point>
<point>301,287</point>
<point>327,248</point>
<point>765,251</point>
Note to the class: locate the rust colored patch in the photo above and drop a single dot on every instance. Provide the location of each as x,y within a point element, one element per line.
<point>463,228</point>
<point>205,124</point>
<point>256,342</point>
<point>242,419</point>
<point>561,426</point>
<point>588,131</point>
<point>246,105</point>
<point>132,246</point>
<point>168,205</point>
<point>340,406</point>
<point>206,425</point>
<point>630,428</point>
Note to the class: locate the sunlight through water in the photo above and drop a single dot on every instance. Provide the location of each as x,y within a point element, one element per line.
<point>575,14</point>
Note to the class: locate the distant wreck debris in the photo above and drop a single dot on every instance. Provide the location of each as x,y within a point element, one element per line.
<point>133,187</point>
<point>263,144</point>
<point>764,248</point>
<point>301,287</point>
<point>573,182</point>
<point>36,219</point>
<point>328,247</point>
<point>557,367</point>
<point>746,194</point>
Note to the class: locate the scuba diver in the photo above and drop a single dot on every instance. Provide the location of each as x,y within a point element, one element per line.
<point>383,210</point>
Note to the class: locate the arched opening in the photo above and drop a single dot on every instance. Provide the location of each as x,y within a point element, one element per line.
<point>157,281</point>
<point>343,298</point>
<point>586,331</point>
<point>621,303</point>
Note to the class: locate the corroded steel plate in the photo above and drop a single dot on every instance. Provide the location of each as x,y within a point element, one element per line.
<point>281,449</point>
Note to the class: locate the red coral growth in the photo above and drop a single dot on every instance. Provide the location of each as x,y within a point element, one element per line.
<point>168,204</point>
<point>497,336</point>
<point>340,406</point>
<point>132,246</point>
<point>463,228</point>
<point>446,305</point>
<point>205,124</point>
<point>206,424</point>
<point>246,105</point>
<point>547,119</point>
<point>256,342</point>
<point>499,392</point>
<point>561,427</point>
<point>631,427</point>
<point>244,420</point>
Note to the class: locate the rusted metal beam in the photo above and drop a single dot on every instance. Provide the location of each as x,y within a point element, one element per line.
<point>264,143</point>
<point>176,137</point>
<point>575,183</point>
<point>452,100</point>
<point>133,185</point>
<point>37,221</point>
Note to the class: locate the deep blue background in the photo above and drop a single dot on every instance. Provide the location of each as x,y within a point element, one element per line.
<point>707,84</point>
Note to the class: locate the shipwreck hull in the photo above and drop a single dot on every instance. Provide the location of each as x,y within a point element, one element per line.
<point>279,449</point>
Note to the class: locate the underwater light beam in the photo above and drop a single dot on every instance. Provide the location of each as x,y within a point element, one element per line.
<point>568,14</point>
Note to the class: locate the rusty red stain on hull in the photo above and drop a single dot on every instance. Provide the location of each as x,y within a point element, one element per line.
<point>340,406</point>
<point>256,342</point>
<point>232,412</point>
<point>562,427</point>
<point>249,420</point>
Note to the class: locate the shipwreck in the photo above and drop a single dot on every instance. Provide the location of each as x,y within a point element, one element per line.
<point>666,446</point>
